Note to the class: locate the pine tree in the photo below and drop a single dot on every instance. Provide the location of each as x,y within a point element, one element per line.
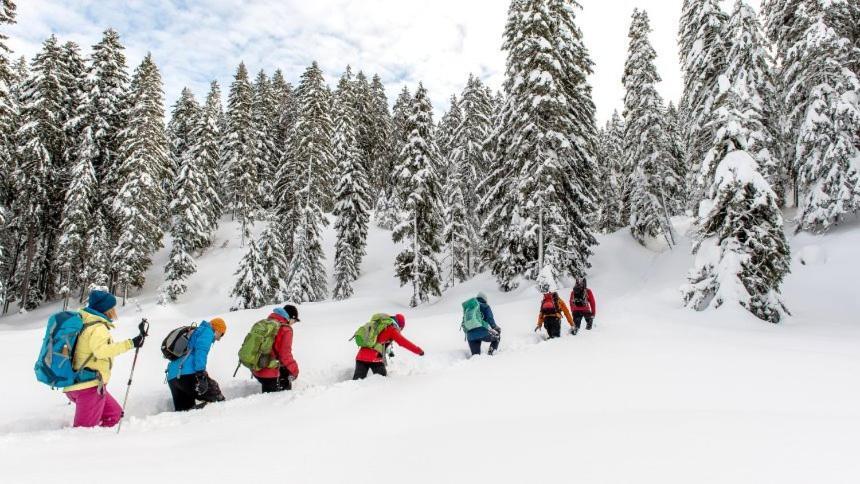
<point>446,134</point>
<point>378,141</point>
<point>141,201</point>
<point>611,177</point>
<point>265,150</point>
<point>390,199</point>
<point>78,212</point>
<point>742,254</point>
<point>250,282</point>
<point>272,250</point>
<point>654,187</point>
<point>351,195</point>
<point>311,151</point>
<point>422,218</point>
<point>73,76</point>
<point>242,183</point>
<point>703,59</point>
<point>540,193</point>
<point>477,104</point>
<point>206,153</point>
<point>186,110</point>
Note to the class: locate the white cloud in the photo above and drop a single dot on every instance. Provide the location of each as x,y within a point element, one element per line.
<point>406,41</point>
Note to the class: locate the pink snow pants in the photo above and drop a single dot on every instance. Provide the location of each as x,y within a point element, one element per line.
<point>93,409</point>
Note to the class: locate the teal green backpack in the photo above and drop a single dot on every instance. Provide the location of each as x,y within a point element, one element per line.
<point>367,334</point>
<point>472,316</point>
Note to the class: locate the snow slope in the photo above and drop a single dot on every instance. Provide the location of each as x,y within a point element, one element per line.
<point>656,393</point>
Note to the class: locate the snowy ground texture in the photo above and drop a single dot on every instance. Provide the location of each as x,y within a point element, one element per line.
<point>656,393</point>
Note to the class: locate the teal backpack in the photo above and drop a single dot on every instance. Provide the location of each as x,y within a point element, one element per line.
<point>472,316</point>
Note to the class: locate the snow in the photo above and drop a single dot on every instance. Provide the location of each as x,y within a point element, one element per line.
<point>655,393</point>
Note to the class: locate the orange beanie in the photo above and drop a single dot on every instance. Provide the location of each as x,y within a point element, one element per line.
<point>218,325</point>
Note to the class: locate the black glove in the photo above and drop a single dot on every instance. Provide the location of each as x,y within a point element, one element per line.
<point>143,328</point>
<point>137,341</point>
<point>201,386</point>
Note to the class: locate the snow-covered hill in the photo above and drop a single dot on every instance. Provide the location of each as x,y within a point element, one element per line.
<point>656,393</point>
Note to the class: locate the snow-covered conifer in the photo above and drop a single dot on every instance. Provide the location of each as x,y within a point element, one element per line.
<point>180,129</point>
<point>611,177</point>
<point>421,225</point>
<point>249,290</point>
<point>265,150</point>
<point>205,150</point>
<point>242,183</point>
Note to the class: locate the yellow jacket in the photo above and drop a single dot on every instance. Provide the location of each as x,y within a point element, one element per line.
<point>96,348</point>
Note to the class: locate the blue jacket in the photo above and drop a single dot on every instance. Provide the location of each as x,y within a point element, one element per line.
<point>199,346</point>
<point>483,332</point>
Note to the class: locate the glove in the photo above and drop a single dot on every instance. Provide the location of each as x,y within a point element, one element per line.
<point>201,386</point>
<point>498,329</point>
<point>494,333</point>
<point>142,328</point>
<point>137,341</point>
<point>292,377</point>
<point>420,352</point>
<point>537,329</point>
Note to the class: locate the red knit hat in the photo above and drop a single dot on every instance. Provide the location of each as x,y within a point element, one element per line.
<point>401,320</point>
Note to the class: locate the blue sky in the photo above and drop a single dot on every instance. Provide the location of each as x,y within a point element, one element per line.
<point>438,42</point>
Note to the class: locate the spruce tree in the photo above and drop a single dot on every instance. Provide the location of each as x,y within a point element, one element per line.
<point>272,249</point>
<point>742,254</point>
<point>141,200</point>
<point>703,59</point>
<point>421,225</point>
<point>239,149</point>
<point>378,141</point>
<point>206,153</point>
<point>446,134</point>
<point>390,197</point>
<point>540,193</point>
<point>73,75</point>
<point>477,104</point>
<point>611,177</point>
<point>186,110</point>
<point>312,154</point>
<point>250,281</point>
<point>654,187</point>
<point>265,150</point>
<point>351,195</point>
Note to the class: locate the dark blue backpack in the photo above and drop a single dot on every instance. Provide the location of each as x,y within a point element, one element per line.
<point>54,366</point>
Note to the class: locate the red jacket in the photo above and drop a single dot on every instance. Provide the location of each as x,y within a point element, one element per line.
<point>282,350</point>
<point>591,308</point>
<point>389,334</point>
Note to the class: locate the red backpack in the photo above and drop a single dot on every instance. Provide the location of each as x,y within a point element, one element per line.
<point>549,305</point>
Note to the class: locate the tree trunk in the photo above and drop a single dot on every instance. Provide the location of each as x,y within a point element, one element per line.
<point>28,267</point>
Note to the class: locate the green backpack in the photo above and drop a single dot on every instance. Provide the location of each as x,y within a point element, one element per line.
<point>472,316</point>
<point>256,351</point>
<point>366,335</point>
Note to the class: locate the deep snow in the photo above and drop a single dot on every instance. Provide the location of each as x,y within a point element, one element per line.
<point>656,393</point>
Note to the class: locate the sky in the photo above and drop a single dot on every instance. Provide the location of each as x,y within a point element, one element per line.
<point>437,42</point>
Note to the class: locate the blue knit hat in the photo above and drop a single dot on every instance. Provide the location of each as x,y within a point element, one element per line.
<point>101,301</point>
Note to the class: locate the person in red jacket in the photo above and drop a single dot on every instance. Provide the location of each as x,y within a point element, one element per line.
<point>370,359</point>
<point>281,378</point>
<point>582,305</point>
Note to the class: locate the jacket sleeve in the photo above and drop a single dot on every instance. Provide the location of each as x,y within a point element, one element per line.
<point>284,350</point>
<point>401,340</point>
<point>488,315</point>
<point>102,346</point>
<point>563,307</point>
<point>202,345</point>
<point>592,303</point>
<point>540,320</point>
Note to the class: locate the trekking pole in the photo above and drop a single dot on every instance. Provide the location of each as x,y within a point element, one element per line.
<point>237,369</point>
<point>131,374</point>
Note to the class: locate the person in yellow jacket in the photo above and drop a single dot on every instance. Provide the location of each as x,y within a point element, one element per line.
<point>95,350</point>
<point>551,309</point>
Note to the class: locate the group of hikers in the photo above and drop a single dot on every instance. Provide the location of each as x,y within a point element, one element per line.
<point>78,351</point>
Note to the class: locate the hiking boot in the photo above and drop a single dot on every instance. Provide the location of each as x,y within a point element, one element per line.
<point>574,331</point>
<point>491,351</point>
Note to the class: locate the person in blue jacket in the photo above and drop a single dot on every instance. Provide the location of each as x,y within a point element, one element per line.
<point>187,376</point>
<point>490,332</point>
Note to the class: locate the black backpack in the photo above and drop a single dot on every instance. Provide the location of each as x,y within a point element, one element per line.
<point>175,345</point>
<point>580,297</point>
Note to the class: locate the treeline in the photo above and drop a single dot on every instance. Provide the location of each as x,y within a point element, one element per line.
<point>516,182</point>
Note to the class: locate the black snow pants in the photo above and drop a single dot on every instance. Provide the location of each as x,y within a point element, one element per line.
<point>361,369</point>
<point>553,326</point>
<point>579,315</point>
<point>184,392</point>
<point>279,384</point>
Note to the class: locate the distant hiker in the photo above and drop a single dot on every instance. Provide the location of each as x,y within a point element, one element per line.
<point>187,376</point>
<point>374,340</point>
<point>551,309</point>
<point>95,350</point>
<point>279,375</point>
<point>582,305</point>
<point>479,325</point>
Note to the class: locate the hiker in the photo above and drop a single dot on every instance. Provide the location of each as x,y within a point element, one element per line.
<point>551,309</point>
<point>374,357</point>
<point>280,377</point>
<point>479,325</point>
<point>95,350</point>
<point>582,305</point>
<point>187,376</point>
